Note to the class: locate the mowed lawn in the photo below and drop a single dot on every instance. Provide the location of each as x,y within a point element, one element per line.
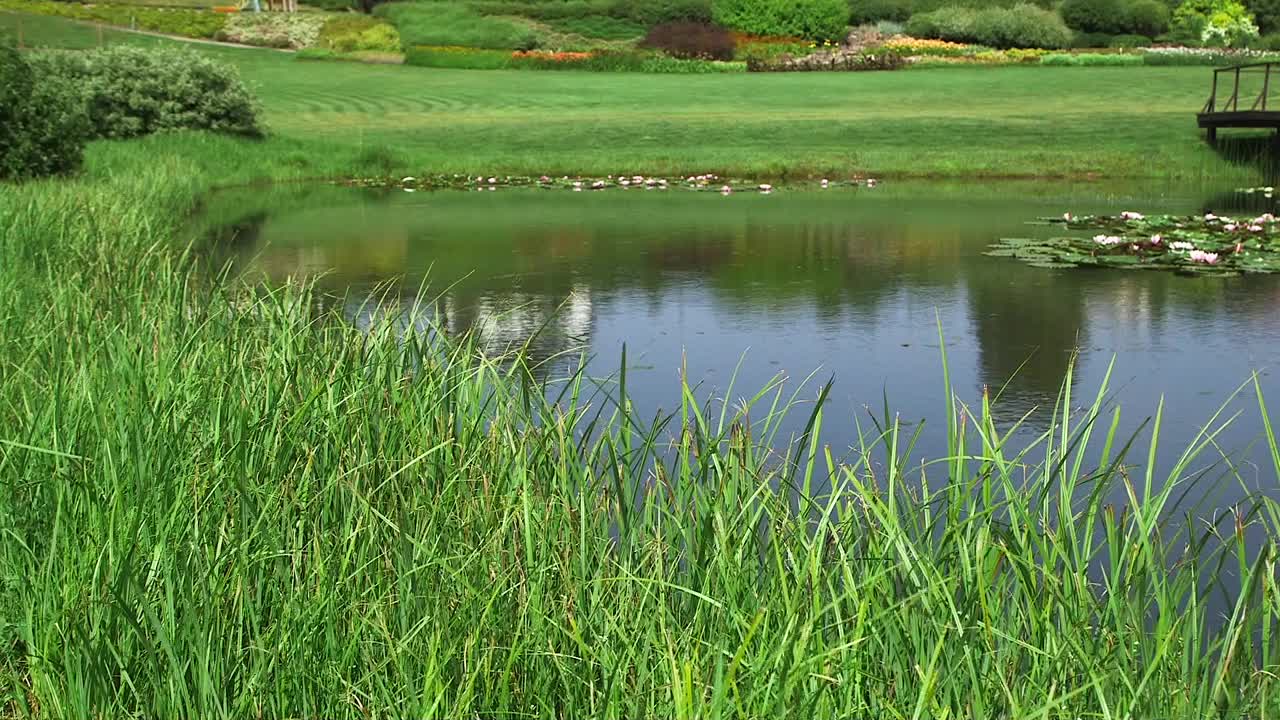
<point>1010,121</point>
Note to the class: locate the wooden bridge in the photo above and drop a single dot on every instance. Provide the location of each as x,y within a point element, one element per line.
<point>1227,112</point>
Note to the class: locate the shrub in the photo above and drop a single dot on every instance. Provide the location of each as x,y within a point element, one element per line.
<point>1123,42</point>
<point>130,91</point>
<point>331,5</point>
<point>691,41</point>
<point>831,62</point>
<point>43,125</point>
<point>354,33</point>
<point>1266,13</point>
<point>1021,26</point>
<point>1091,40</point>
<point>1270,42</point>
<point>273,29</point>
<point>871,11</point>
<point>1149,18</point>
<point>1215,23</point>
<point>448,24</point>
<point>811,19</point>
<point>1093,16</point>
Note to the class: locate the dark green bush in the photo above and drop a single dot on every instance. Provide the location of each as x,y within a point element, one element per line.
<point>811,19</point>
<point>1021,26</point>
<point>1093,16</point>
<point>1082,40</point>
<point>331,5</point>
<point>1149,18</point>
<point>1129,41</point>
<point>922,6</point>
<point>1270,42</point>
<point>599,27</point>
<point>130,91</point>
<point>1266,13</point>
<point>863,12</point>
<point>43,121</point>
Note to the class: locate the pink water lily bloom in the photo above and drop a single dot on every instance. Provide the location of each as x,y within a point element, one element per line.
<point>1068,216</point>
<point>1201,256</point>
<point>1229,227</point>
<point>1255,228</point>
<point>1156,239</point>
<point>1130,215</point>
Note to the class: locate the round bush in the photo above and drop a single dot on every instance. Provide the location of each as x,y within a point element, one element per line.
<point>865,12</point>
<point>1129,41</point>
<point>1094,16</point>
<point>956,24</point>
<point>131,91</point>
<point>1082,40</point>
<point>43,123</point>
<point>1269,42</point>
<point>1021,26</point>
<point>824,20</point>
<point>1146,17</point>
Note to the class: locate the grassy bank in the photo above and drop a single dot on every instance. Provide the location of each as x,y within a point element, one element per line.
<point>218,502</point>
<point>961,122</point>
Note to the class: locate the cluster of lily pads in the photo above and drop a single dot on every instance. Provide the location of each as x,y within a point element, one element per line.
<point>703,182</point>
<point>1208,244</point>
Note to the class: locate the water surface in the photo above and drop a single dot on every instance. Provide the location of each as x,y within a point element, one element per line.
<point>851,284</point>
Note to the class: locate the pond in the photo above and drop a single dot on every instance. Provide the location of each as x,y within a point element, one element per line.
<point>851,284</point>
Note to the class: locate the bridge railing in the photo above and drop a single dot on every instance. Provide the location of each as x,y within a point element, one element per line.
<point>1231,103</point>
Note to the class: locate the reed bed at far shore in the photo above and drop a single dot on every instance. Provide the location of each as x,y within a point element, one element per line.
<point>222,501</point>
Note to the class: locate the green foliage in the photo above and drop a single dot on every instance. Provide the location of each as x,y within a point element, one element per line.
<point>1213,23</point>
<point>810,19</point>
<point>1149,18</point>
<point>863,12</point>
<point>273,29</point>
<point>1021,26</point>
<point>1124,42</point>
<point>130,91</point>
<point>598,61</point>
<point>1269,42</point>
<point>43,121</point>
<point>331,5</point>
<point>1092,60</point>
<point>1090,40</point>
<point>354,33</point>
<point>599,27</point>
<point>652,12</point>
<point>187,23</point>
<point>1266,13</point>
<point>1093,16</point>
<point>447,24</point>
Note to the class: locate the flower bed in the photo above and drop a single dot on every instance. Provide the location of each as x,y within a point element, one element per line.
<point>1208,244</point>
<point>839,61</point>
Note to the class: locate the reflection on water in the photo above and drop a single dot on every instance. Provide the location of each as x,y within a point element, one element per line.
<point>855,284</point>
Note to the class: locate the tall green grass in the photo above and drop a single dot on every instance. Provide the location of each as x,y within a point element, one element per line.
<point>223,501</point>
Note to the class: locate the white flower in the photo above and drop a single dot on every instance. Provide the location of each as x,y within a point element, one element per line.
<point>1130,215</point>
<point>1181,246</point>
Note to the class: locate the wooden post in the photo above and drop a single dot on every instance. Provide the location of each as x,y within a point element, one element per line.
<point>1266,85</point>
<point>1235,94</point>
<point>1212,135</point>
<point>1213,94</point>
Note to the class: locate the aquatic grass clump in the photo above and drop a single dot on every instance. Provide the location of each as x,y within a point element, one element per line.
<point>225,501</point>
<point>1208,244</point>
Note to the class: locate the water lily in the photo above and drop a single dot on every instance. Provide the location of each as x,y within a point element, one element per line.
<point>1210,217</point>
<point>766,187</point>
<point>1107,239</point>
<point>1180,246</point>
<point>598,184</point>
<point>544,179</point>
<point>493,180</point>
<point>1201,256</point>
<point>1068,216</point>
<point>1229,227</point>
<point>408,179</point>
<point>1130,215</point>
<point>871,182</point>
<point>1156,239</point>
<point>1239,247</point>
<point>1265,218</point>
<point>725,190</point>
<point>1255,228</point>
<point>825,182</point>
<point>410,190</point>
<point>577,184</point>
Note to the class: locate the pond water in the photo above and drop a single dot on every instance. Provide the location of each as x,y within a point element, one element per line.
<point>852,284</point>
